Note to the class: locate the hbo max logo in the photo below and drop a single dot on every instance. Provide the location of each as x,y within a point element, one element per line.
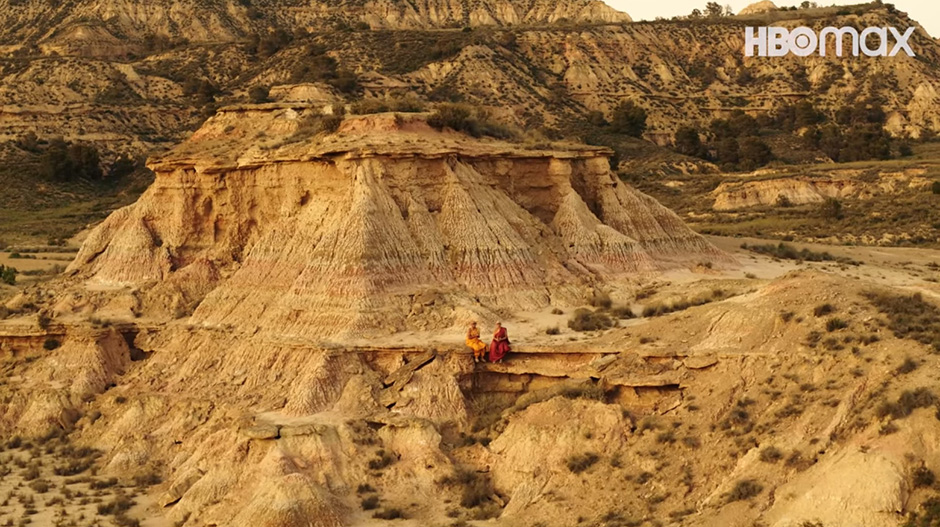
<point>803,41</point>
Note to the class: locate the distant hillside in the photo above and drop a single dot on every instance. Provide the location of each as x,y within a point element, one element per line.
<point>94,26</point>
<point>133,79</point>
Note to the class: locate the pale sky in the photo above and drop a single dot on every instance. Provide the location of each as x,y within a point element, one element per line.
<point>926,12</point>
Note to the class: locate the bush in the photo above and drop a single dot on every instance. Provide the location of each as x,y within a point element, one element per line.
<point>259,94</point>
<point>835,324</point>
<point>466,119</point>
<point>628,119</point>
<point>831,209</point>
<point>935,187</point>
<point>907,402</point>
<point>586,320</point>
<point>382,460</point>
<point>317,124</point>
<point>788,252</point>
<point>923,477</point>
<point>40,486</point>
<point>408,104</point>
<point>580,462</point>
<point>370,503</point>
<point>552,330</point>
<point>823,309</point>
<point>116,507</point>
<point>8,274</point>
<point>689,142</point>
<point>909,316</point>
<point>770,454</point>
<point>50,344</point>
<point>389,514</point>
<point>103,484</point>
<point>745,490</point>
<point>623,313</point>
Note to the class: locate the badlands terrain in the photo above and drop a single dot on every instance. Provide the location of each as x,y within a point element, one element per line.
<point>272,335</point>
<point>248,238</point>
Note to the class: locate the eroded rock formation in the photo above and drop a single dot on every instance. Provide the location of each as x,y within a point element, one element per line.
<point>356,232</point>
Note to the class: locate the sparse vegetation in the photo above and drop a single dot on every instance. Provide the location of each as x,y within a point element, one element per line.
<point>389,514</point>
<point>382,459</point>
<point>744,490</point>
<point>923,477</point>
<point>472,121</point>
<point>406,104</point>
<point>370,503</point>
<point>785,251</point>
<point>587,320</point>
<point>770,454</point>
<point>907,402</point>
<point>578,463</point>
<point>909,316</point>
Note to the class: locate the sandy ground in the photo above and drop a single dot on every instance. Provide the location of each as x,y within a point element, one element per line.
<point>907,268</point>
<point>36,261</point>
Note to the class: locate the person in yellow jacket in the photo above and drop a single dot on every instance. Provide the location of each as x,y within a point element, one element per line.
<point>474,343</point>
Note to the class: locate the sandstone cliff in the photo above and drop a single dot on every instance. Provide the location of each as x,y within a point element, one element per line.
<point>349,232</point>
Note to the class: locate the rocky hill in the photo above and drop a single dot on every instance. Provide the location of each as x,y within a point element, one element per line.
<point>97,26</point>
<point>250,220</point>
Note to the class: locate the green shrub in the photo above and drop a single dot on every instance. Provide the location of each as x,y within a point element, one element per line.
<point>628,119</point>
<point>835,324</point>
<point>552,330</point>
<point>50,344</point>
<point>370,503</point>
<point>8,274</point>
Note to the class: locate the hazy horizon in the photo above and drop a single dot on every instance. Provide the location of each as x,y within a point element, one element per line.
<point>923,11</point>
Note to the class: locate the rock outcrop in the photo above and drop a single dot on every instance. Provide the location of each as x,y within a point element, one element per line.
<point>382,226</point>
<point>759,7</point>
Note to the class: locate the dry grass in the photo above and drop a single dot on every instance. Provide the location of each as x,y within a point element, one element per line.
<point>909,316</point>
<point>744,490</point>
